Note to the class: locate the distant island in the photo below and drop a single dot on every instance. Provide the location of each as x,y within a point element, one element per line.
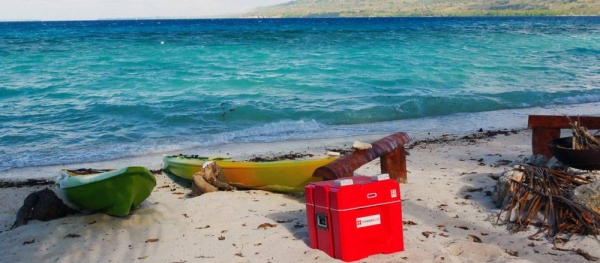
<point>420,8</point>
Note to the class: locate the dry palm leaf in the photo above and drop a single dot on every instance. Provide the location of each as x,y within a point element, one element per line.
<point>543,191</point>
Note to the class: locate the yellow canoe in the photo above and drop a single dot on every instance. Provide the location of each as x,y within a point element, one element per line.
<point>277,176</point>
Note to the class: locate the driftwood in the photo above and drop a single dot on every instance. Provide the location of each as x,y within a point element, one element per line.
<point>201,186</point>
<point>582,138</point>
<point>209,179</point>
<point>544,190</point>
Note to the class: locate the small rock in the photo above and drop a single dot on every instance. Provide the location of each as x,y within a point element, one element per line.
<point>535,160</point>
<point>588,195</point>
<point>502,187</point>
<point>361,145</point>
<point>42,205</point>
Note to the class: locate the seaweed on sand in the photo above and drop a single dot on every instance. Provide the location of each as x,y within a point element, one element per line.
<point>289,156</point>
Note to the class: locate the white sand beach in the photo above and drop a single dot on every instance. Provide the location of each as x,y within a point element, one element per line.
<point>445,204</point>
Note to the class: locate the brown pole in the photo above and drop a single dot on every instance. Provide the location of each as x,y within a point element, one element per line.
<point>394,164</point>
<point>390,148</point>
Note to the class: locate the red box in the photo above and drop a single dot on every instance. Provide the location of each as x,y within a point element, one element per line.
<point>310,210</point>
<point>355,217</point>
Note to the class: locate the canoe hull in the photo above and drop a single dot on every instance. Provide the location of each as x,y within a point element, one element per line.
<point>277,176</point>
<point>113,193</point>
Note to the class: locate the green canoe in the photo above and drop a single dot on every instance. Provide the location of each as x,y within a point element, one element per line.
<point>113,192</point>
<point>276,176</point>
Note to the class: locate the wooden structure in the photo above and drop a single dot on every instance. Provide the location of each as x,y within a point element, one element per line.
<point>547,127</point>
<point>390,149</point>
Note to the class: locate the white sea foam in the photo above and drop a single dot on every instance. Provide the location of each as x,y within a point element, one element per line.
<point>579,99</point>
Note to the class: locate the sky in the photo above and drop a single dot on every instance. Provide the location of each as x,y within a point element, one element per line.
<point>47,10</point>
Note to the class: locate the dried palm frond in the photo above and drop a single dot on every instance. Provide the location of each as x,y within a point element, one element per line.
<point>544,192</point>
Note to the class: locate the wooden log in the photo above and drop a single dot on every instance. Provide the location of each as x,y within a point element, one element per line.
<point>390,148</point>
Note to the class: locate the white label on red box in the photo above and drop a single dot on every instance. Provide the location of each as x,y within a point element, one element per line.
<point>368,221</point>
<point>393,193</point>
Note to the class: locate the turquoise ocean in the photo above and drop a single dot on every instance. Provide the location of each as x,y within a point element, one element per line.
<point>83,91</point>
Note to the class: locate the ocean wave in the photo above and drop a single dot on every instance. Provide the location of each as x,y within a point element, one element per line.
<point>458,123</point>
<point>70,87</point>
<point>61,155</point>
<point>587,98</point>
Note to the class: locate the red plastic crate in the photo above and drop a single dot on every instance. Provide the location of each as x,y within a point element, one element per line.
<point>355,217</point>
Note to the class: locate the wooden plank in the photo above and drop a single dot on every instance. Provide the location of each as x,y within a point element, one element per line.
<point>540,137</point>
<point>394,164</point>
<point>556,121</point>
